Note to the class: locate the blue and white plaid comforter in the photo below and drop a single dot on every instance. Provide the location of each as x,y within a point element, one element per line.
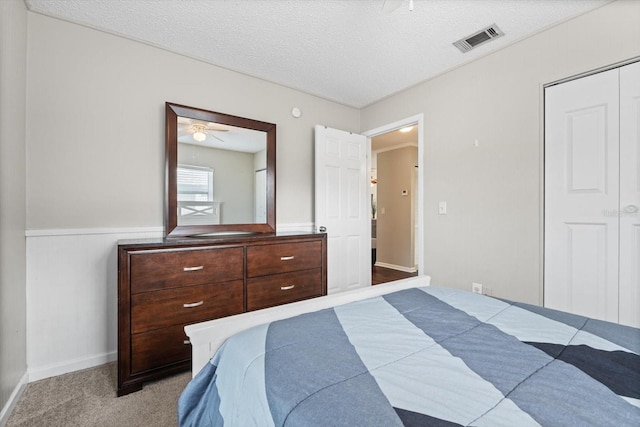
<point>421,357</point>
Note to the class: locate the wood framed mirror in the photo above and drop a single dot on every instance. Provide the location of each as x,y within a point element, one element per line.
<point>220,173</point>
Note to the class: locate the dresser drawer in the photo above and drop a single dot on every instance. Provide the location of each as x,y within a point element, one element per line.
<point>283,257</point>
<point>159,309</point>
<point>172,269</point>
<point>283,288</point>
<point>159,348</point>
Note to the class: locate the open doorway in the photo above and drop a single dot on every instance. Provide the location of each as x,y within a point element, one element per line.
<point>396,200</point>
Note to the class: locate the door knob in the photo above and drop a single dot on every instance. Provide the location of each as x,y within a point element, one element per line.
<point>630,209</point>
<point>322,229</point>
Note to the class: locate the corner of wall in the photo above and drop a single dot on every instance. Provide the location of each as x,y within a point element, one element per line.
<point>13,65</point>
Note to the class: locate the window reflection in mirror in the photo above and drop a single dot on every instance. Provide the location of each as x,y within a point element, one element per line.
<point>221,174</point>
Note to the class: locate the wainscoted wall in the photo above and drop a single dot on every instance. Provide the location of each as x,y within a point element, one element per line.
<point>72,296</point>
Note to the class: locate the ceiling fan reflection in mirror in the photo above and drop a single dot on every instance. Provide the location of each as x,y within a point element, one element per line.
<point>200,130</point>
<point>204,133</point>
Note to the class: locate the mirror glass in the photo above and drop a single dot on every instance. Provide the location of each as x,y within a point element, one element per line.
<point>220,173</point>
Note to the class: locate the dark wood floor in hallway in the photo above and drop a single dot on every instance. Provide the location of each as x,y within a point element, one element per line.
<point>384,275</point>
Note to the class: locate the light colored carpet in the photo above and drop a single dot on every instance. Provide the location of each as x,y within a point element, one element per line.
<point>88,398</point>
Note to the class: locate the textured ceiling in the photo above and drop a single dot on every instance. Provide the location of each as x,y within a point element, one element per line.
<point>349,51</point>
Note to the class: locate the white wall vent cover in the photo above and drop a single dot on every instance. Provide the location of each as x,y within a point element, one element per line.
<point>483,36</point>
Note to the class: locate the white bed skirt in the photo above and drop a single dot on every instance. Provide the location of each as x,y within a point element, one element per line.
<point>207,337</point>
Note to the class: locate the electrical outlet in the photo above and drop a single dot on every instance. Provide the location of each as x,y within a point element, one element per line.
<point>476,288</point>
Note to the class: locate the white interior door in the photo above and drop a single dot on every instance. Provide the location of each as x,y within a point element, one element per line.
<point>341,206</point>
<point>630,195</point>
<point>581,196</point>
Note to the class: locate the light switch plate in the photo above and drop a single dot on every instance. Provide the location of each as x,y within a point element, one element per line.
<point>442,208</point>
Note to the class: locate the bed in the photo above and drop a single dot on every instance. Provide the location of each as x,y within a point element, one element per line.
<point>414,355</point>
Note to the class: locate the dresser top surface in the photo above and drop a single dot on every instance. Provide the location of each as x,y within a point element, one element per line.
<point>219,239</point>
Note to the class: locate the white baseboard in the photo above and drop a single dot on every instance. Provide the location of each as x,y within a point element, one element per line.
<point>71,366</point>
<point>396,267</point>
<point>13,400</point>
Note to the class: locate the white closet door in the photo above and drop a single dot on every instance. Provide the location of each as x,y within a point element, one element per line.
<point>581,196</point>
<point>630,195</point>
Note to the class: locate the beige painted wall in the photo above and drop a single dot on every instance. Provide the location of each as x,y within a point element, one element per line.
<point>95,108</point>
<point>395,227</point>
<point>492,233</point>
<point>13,44</point>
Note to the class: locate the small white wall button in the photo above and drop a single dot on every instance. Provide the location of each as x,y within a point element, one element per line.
<point>442,208</point>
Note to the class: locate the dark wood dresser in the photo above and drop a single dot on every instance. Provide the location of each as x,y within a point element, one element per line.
<point>165,284</point>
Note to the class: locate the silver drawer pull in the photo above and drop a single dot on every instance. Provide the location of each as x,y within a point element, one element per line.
<point>193,304</point>
<point>200,267</point>
<point>286,258</point>
<point>286,288</point>
<point>186,342</point>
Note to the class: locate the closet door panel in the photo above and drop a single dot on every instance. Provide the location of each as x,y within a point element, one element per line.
<point>581,196</point>
<point>630,195</point>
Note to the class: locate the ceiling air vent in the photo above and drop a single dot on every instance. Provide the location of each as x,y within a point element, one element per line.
<point>465,44</point>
